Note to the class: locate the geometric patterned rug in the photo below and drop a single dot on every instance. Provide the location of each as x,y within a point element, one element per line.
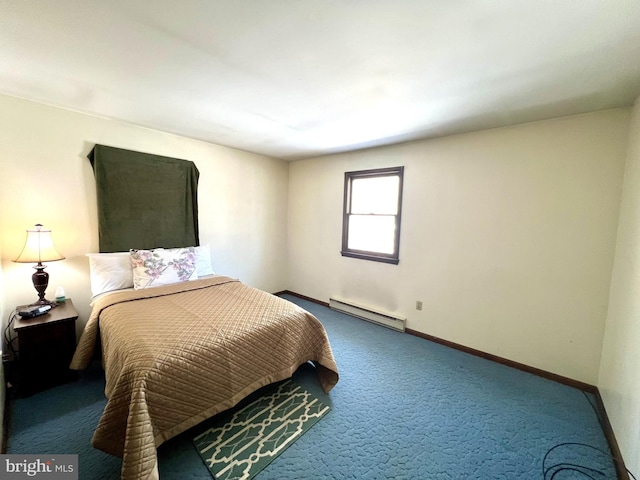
<point>240,445</point>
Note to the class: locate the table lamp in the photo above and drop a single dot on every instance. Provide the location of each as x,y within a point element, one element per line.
<point>39,248</point>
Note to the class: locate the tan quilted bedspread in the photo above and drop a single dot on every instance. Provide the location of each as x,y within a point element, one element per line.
<point>177,355</point>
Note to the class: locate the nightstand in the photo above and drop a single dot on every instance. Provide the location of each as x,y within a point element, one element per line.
<point>46,344</point>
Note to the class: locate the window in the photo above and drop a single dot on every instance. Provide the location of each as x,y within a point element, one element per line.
<point>371,217</point>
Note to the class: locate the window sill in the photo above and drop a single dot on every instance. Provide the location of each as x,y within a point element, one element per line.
<point>371,257</point>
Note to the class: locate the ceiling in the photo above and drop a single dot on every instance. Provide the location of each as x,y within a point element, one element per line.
<point>295,79</point>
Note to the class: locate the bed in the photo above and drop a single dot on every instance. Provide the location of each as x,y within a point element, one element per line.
<point>177,354</point>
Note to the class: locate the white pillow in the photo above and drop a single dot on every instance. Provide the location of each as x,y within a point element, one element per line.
<point>153,268</point>
<point>203,260</point>
<point>109,272</point>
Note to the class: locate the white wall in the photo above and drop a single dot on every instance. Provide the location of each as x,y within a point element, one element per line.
<point>507,238</point>
<point>2,378</point>
<point>47,179</point>
<point>619,381</point>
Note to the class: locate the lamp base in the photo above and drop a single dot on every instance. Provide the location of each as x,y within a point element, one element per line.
<point>40,280</point>
<point>43,301</point>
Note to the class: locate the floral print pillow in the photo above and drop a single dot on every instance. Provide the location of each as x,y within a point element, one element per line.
<point>153,268</point>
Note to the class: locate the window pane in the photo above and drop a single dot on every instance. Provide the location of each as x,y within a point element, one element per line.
<point>372,233</point>
<point>375,195</point>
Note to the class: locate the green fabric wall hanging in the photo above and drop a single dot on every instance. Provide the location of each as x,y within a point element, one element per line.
<point>144,201</point>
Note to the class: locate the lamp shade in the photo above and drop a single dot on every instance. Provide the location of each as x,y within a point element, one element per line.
<point>38,247</point>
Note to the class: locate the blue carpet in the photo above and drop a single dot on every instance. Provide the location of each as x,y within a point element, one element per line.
<point>404,408</point>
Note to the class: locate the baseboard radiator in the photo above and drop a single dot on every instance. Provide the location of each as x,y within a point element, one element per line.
<point>366,313</point>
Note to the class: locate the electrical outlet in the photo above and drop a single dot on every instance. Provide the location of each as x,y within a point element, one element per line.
<point>418,305</point>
